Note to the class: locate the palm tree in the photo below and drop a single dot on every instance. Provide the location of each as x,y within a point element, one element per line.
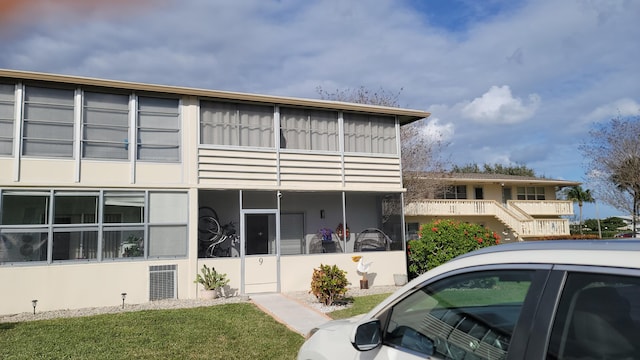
<point>580,196</point>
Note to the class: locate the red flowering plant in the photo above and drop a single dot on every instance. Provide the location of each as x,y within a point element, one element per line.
<point>443,239</point>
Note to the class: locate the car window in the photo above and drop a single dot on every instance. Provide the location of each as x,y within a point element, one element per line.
<point>466,316</point>
<point>598,317</point>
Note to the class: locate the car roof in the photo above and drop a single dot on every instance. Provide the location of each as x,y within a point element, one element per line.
<point>554,245</point>
<point>606,253</point>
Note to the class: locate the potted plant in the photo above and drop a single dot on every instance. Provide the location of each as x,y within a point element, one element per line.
<point>211,281</point>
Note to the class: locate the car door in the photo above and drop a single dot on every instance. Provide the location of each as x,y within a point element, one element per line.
<point>593,313</point>
<point>470,314</point>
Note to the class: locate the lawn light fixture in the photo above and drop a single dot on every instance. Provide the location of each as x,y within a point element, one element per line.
<point>124,296</point>
<point>34,302</point>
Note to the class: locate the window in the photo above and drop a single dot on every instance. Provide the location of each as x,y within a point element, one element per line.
<point>23,245</point>
<point>75,233</point>
<point>158,129</point>
<point>25,207</point>
<point>413,230</point>
<point>454,192</point>
<point>105,120</point>
<point>309,129</point>
<point>467,316</point>
<point>168,215</point>
<point>48,122</point>
<point>124,207</point>
<point>369,134</point>
<point>223,123</point>
<point>531,193</point>
<point>597,318</point>
<point>79,232</point>
<point>7,116</point>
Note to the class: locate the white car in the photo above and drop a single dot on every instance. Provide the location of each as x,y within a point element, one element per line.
<point>532,300</point>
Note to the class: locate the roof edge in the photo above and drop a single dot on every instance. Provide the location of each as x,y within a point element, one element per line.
<point>405,115</point>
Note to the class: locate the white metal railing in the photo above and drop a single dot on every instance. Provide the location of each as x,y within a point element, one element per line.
<point>514,217</point>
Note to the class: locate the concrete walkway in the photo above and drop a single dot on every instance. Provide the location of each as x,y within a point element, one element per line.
<point>294,314</point>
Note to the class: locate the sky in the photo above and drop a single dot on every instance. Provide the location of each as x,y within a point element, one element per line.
<point>506,81</point>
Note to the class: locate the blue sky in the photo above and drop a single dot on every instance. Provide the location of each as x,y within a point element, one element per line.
<point>506,81</point>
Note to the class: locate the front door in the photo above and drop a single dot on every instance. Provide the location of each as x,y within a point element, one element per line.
<point>506,194</point>
<point>259,252</point>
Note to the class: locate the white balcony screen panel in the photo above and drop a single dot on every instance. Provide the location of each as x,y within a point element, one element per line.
<point>309,129</point>
<point>106,126</point>
<point>168,208</point>
<point>167,241</point>
<point>158,129</point>
<point>369,134</point>
<point>48,122</point>
<point>7,101</point>
<point>236,124</point>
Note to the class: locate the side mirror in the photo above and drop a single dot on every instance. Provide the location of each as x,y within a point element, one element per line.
<point>367,336</point>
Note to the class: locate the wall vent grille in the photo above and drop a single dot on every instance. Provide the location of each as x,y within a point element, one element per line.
<point>162,282</point>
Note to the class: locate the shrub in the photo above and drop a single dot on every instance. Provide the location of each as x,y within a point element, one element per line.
<point>329,283</point>
<point>211,279</point>
<point>442,240</point>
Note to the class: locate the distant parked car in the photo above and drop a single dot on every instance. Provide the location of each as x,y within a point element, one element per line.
<point>623,235</point>
<point>555,300</point>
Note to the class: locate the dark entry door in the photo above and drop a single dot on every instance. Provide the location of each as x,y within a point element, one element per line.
<point>260,258</point>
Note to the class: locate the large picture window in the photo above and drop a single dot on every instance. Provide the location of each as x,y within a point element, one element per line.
<point>92,225</point>
<point>158,129</point>
<point>223,123</point>
<point>369,134</point>
<point>7,101</point>
<point>106,126</point>
<point>309,129</point>
<point>48,122</point>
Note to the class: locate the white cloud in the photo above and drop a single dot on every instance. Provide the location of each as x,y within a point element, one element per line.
<point>498,106</point>
<point>620,107</point>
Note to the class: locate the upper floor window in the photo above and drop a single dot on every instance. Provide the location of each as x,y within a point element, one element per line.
<point>106,126</point>
<point>158,129</point>
<point>309,129</point>
<point>224,123</point>
<point>531,193</point>
<point>48,122</point>
<point>7,101</point>
<point>369,134</point>
<point>454,192</point>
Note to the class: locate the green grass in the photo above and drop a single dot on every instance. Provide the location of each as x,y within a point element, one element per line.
<point>361,305</point>
<point>231,331</point>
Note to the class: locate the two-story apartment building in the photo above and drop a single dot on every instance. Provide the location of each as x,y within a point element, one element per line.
<point>516,207</point>
<point>102,185</point>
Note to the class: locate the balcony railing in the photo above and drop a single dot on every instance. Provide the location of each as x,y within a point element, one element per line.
<point>546,207</point>
<point>514,216</point>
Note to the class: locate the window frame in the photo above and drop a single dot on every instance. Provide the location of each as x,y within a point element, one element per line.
<point>55,224</point>
<point>373,142</point>
<point>143,146</point>
<point>7,137</point>
<point>531,193</point>
<point>66,143</point>
<point>237,123</point>
<point>88,127</point>
<point>311,127</point>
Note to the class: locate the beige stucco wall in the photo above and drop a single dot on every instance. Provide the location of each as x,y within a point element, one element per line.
<point>78,285</point>
<point>298,270</point>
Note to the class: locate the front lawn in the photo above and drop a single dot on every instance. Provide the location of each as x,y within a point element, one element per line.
<point>231,331</point>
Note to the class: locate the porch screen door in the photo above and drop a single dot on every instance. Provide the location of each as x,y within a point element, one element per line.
<point>260,257</point>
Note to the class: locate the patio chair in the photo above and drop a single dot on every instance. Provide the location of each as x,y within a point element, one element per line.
<point>372,240</point>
